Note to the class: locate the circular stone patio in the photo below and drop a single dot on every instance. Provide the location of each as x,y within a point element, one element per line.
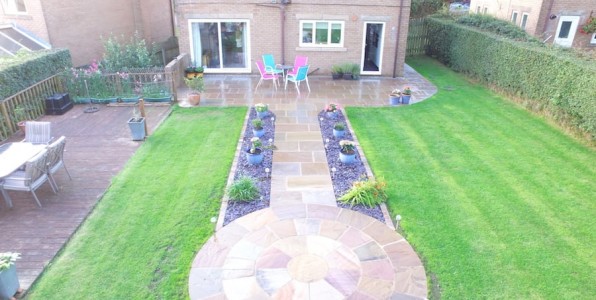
<point>307,251</point>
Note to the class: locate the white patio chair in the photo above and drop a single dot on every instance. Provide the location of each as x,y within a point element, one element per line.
<point>56,160</point>
<point>31,179</point>
<point>38,132</point>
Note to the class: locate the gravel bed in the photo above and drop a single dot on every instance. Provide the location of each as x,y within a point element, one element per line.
<point>238,209</point>
<point>344,174</point>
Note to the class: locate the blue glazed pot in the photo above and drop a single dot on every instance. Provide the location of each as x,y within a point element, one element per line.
<point>338,133</point>
<point>254,158</point>
<point>393,100</point>
<point>347,158</point>
<point>9,282</point>
<point>332,115</point>
<point>405,99</point>
<point>262,114</point>
<point>258,133</point>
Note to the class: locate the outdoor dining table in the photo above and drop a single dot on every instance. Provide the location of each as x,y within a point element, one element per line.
<point>13,156</point>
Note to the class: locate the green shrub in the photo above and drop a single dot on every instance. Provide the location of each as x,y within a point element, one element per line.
<point>368,192</point>
<point>498,26</point>
<point>119,56</point>
<point>27,68</point>
<point>546,78</point>
<point>243,189</point>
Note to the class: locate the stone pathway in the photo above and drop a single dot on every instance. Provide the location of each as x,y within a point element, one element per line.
<point>304,246</point>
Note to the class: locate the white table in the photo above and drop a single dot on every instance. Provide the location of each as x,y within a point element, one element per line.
<point>14,155</point>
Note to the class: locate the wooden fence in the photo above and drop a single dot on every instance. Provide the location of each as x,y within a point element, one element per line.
<point>28,104</point>
<point>417,38</point>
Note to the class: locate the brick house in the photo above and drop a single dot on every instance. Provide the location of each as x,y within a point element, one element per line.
<point>78,25</point>
<point>556,21</point>
<point>228,36</point>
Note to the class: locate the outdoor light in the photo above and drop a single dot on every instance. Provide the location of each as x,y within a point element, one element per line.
<point>272,119</point>
<point>326,140</point>
<point>267,171</point>
<point>270,141</point>
<point>321,119</point>
<point>213,219</point>
<point>397,219</point>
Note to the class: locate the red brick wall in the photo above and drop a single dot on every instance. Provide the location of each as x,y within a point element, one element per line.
<point>33,20</point>
<point>265,28</point>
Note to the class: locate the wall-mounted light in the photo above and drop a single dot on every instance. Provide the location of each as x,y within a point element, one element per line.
<point>552,17</point>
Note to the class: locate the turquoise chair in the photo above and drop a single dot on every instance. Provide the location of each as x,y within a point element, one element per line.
<point>302,75</point>
<point>270,66</point>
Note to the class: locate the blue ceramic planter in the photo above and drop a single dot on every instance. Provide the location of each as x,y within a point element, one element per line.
<point>9,282</point>
<point>258,133</point>
<point>405,99</point>
<point>393,100</point>
<point>347,158</point>
<point>338,133</point>
<point>262,114</point>
<point>254,158</point>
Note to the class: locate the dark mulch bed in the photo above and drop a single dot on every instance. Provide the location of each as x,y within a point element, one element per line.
<point>344,174</point>
<point>238,209</point>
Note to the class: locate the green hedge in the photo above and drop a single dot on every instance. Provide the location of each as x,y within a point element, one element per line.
<point>26,69</point>
<point>555,80</point>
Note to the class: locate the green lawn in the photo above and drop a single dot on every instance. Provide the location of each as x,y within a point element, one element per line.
<point>141,238</point>
<point>497,202</point>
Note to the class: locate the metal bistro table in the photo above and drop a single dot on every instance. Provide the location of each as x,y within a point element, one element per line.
<point>13,156</point>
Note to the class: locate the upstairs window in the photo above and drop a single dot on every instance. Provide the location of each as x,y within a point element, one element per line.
<point>524,21</point>
<point>14,6</point>
<point>321,33</point>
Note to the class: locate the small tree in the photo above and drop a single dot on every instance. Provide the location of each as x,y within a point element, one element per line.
<point>119,56</point>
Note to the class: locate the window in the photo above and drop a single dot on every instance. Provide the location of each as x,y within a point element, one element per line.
<point>321,33</point>
<point>14,6</point>
<point>593,40</point>
<point>478,9</point>
<point>524,21</point>
<point>514,17</point>
<point>485,10</point>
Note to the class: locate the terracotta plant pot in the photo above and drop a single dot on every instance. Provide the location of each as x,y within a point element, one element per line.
<point>194,99</point>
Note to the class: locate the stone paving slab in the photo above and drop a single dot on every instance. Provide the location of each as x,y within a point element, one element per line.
<point>307,251</point>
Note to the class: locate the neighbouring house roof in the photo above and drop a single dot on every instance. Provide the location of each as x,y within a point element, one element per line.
<point>14,38</point>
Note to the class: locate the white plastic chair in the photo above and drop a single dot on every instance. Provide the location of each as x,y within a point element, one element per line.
<point>56,160</point>
<point>38,132</point>
<point>31,179</point>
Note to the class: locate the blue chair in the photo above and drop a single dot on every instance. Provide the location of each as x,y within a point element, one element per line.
<point>270,66</point>
<point>302,75</point>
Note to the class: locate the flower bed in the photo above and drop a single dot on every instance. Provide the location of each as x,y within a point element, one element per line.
<point>238,209</point>
<point>344,174</point>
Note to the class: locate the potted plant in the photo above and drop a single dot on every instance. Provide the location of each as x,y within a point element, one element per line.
<point>406,95</point>
<point>254,154</point>
<point>257,127</point>
<point>339,129</point>
<point>347,68</point>
<point>332,110</point>
<point>336,72</point>
<point>589,27</point>
<point>394,97</point>
<point>21,115</point>
<point>262,110</point>
<point>9,281</point>
<point>355,71</point>
<point>347,152</point>
<point>196,86</point>
<point>137,126</point>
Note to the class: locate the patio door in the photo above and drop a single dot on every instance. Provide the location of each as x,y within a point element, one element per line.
<point>221,46</point>
<point>372,48</point>
<point>566,30</point>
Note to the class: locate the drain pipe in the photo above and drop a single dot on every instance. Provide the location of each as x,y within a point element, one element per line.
<point>401,3</point>
<point>282,20</point>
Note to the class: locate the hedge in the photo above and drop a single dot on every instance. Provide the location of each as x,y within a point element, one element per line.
<point>26,69</point>
<point>561,84</point>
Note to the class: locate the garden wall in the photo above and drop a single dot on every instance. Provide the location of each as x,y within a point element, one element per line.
<point>552,79</point>
<point>23,72</point>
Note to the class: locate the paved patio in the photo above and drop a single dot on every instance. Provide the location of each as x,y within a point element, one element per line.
<point>98,146</point>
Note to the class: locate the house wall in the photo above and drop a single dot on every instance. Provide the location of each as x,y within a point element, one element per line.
<point>539,24</point>
<point>79,25</point>
<point>33,20</point>
<point>265,28</point>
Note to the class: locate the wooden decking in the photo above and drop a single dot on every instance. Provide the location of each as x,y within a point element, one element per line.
<point>98,145</point>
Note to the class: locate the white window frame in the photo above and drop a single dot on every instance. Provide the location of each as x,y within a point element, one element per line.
<point>593,39</point>
<point>246,69</point>
<point>11,7</point>
<point>328,45</point>
<point>514,16</point>
<point>523,23</point>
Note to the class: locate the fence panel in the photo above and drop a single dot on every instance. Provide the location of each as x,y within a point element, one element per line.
<point>417,37</point>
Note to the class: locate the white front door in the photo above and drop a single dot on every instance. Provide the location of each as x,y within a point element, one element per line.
<point>372,48</point>
<point>566,30</point>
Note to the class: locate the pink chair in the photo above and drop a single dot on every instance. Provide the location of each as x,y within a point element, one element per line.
<point>266,76</point>
<point>299,61</point>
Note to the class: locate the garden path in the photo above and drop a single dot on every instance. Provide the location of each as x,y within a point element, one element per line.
<point>303,246</point>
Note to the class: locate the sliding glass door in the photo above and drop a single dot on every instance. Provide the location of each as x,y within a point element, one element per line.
<point>220,45</point>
